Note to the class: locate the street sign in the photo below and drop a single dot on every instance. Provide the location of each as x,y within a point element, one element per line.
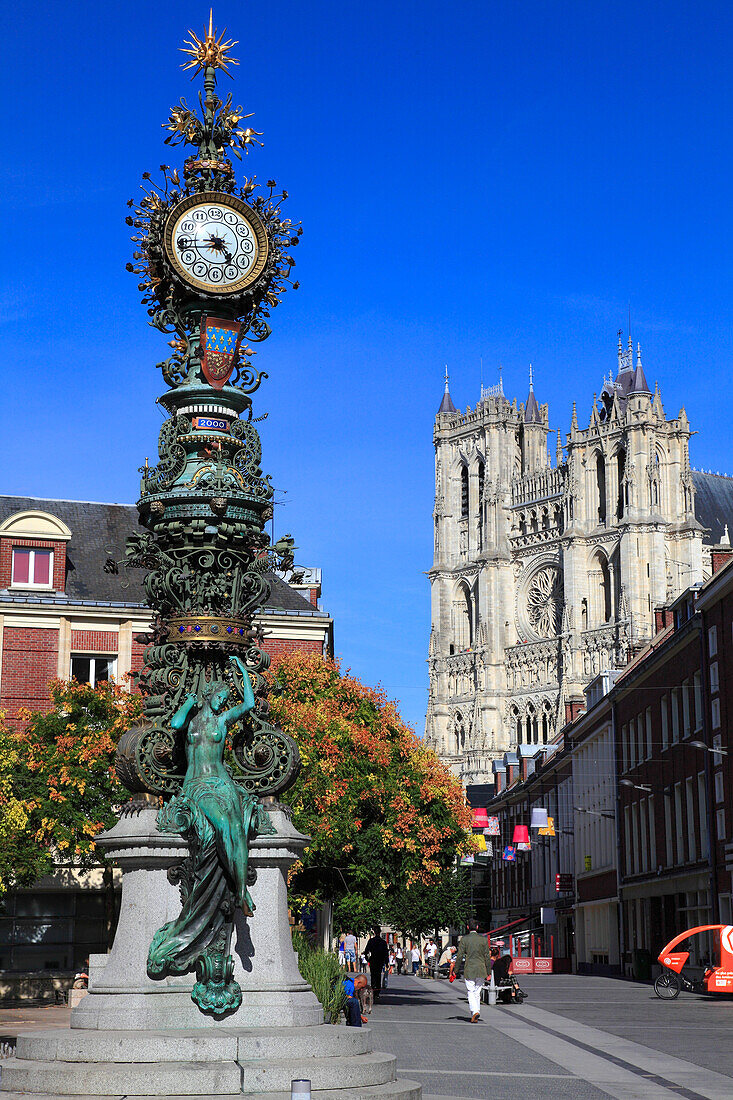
<point>563,884</point>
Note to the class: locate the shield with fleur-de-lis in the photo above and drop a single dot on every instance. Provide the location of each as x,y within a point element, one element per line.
<point>220,340</point>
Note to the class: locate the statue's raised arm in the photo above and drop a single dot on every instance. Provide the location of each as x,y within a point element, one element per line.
<point>229,717</point>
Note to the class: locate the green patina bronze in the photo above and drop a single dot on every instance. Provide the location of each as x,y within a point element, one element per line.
<point>206,744</point>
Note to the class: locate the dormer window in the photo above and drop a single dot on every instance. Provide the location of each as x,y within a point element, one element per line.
<point>32,568</point>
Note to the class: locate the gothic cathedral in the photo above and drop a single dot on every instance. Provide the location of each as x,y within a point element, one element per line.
<point>546,574</point>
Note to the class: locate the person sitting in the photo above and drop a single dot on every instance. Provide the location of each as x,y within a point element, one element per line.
<point>352,984</point>
<point>504,980</point>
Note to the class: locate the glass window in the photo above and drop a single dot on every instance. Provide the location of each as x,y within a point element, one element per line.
<point>719,795</point>
<point>715,713</point>
<point>32,568</point>
<point>648,718</point>
<point>697,682</point>
<point>714,680</point>
<point>713,641</point>
<point>720,824</point>
<point>686,707</point>
<point>92,670</point>
<point>675,715</point>
<point>665,721</point>
<point>702,810</point>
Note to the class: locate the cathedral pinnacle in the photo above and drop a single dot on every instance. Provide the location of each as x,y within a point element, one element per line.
<point>532,409</point>
<point>446,405</point>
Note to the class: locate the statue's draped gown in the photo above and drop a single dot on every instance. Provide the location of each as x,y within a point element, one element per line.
<point>216,818</point>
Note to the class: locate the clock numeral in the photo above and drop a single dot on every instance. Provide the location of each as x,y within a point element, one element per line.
<point>188,257</point>
<point>215,274</point>
<point>230,219</point>
<point>199,215</point>
<point>187,227</point>
<point>200,269</point>
<point>247,246</point>
<point>231,273</point>
<point>215,213</point>
<point>243,262</point>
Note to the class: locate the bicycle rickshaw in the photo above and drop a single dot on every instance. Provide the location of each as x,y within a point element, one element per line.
<point>716,979</point>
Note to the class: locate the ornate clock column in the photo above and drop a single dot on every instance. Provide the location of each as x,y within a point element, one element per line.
<point>213,259</point>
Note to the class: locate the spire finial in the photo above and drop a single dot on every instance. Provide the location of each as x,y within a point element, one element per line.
<point>446,377</point>
<point>501,380</point>
<point>531,383</point>
<point>620,349</point>
<point>209,51</point>
<point>638,354</point>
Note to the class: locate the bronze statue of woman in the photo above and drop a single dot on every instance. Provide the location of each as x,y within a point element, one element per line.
<point>217,819</point>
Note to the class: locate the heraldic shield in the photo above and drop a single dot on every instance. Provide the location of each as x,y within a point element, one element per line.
<point>220,341</point>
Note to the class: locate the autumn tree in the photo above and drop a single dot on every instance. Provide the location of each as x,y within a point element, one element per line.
<point>62,789</point>
<point>387,819</point>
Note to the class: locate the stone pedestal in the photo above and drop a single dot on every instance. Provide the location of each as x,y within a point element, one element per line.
<point>134,1037</point>
<point>121,995</point>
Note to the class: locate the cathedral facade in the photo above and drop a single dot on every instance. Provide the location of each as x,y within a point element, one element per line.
<point>548,571</point>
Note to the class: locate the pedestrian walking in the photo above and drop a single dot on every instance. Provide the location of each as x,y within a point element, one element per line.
<point>415,957</point>
<point>431,957</point>
<point>473,955</point>
<point>342,953</point>
<point>350,952</point>
<point>399,957</point>
<point>377,954</point>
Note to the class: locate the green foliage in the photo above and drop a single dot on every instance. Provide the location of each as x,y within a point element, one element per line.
<point>421,909</point>
<point>58,788</point>
<point>322,972</point>
<point>384,814</point>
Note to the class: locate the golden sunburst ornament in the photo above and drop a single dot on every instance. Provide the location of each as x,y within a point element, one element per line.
<point>209,51</point>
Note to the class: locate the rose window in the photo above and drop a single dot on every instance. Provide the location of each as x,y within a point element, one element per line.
<point>544,602</point>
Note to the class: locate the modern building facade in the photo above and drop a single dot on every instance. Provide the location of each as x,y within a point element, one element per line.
<point>547,570</point>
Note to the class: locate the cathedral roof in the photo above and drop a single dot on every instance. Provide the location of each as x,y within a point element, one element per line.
<point>446,405</point>
<point>713,503</point>
<point>531,409</point>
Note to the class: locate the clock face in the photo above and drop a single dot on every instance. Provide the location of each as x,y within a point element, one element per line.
<point>216,243</point>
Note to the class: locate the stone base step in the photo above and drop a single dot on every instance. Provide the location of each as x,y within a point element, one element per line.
<point>228,1044</point>
<point>189,1078</point>
<point>394,1090</point>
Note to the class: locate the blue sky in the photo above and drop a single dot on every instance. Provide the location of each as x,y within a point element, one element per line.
<point>487,180</point>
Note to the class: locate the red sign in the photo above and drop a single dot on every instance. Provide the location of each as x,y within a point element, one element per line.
<point>220,340</point>
<point>522,966</point>
<point>542,965</point>
<point>563,884</point>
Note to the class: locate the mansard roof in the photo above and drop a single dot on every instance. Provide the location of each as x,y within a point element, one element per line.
<point>98,531</point>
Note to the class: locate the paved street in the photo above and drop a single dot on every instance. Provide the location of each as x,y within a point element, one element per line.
<point>574,1037</point>
<point>582,1038</point>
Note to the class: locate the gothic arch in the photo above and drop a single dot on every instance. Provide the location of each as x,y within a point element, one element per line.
<point>600,589</point>
<point>599,474</point>
<point>463,617</point>
<point>619,462</point>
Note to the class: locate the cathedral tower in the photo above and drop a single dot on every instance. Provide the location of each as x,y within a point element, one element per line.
<point>547,573</point>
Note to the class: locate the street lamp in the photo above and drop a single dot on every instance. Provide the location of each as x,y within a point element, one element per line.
<point>596,813</point>
<point>707,748</point>
<point>633,786</point>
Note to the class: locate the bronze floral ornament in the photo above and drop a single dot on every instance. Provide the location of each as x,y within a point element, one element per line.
<point>214,260</point>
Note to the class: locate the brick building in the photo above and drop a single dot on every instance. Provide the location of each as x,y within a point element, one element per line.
<point>61,615</point>
<point>649,810</point>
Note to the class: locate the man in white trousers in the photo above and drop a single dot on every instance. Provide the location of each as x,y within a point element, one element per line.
<point>473,953</point>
